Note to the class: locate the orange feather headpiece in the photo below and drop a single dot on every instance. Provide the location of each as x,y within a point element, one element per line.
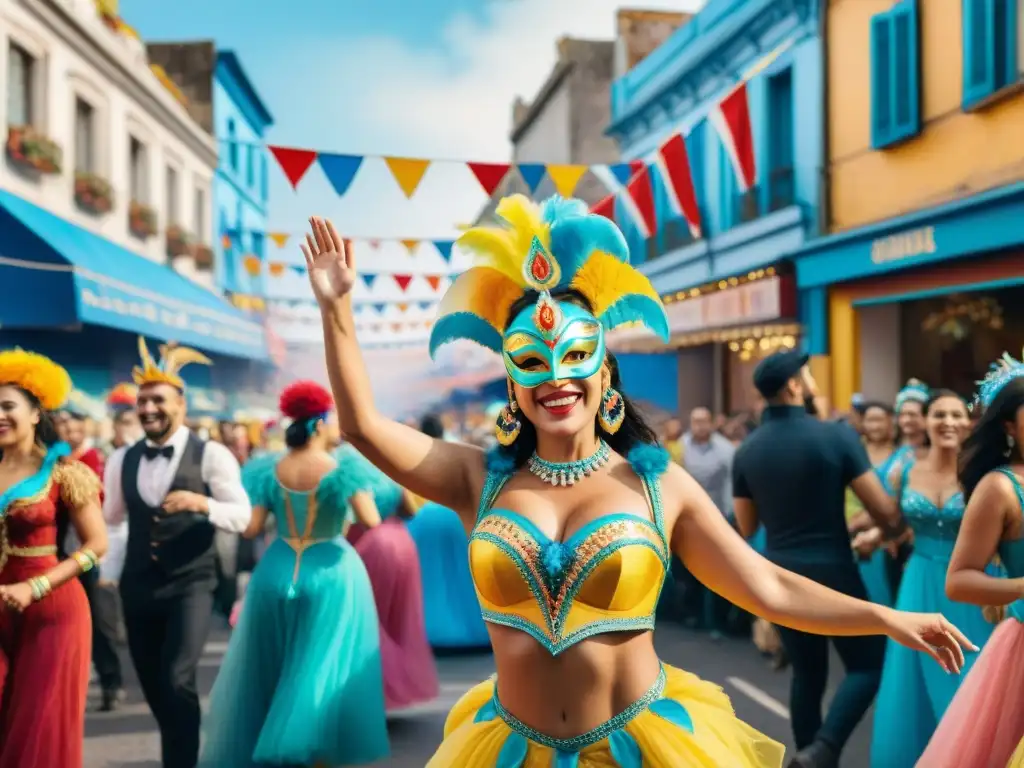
<point>172,359</point>
<point>37,374</point>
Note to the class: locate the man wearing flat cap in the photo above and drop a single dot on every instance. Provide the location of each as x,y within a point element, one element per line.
<point>791,475</point>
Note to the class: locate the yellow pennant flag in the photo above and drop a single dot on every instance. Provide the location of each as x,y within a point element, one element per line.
<point>403,306</point>
<point>566,177</point>
<point>280,238</point>
<point>410,246</point>
<point>408,172</point>
<point>276,268</point>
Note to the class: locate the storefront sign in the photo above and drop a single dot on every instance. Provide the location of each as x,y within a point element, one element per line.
<point>904,245</point>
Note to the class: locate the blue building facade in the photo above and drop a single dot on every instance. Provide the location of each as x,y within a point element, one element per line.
<point>729,293</point>
<point>241,188</point>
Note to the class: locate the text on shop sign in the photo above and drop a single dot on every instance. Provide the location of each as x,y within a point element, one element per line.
<point>904,245</point>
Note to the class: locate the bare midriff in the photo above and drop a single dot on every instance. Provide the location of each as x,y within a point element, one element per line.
<point>584,686</point>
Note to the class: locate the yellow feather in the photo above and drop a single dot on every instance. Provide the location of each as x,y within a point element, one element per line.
<point>523,216</point>
<point>485,292</point>
<point>494,248</point>
<point>175,358</point>
<point>48,381</point>
<point>603,279</point>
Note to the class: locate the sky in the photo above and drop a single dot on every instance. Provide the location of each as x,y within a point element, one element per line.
<point>415,78</point>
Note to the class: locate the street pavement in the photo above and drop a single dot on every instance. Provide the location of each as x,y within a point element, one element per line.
<point>128,739</point>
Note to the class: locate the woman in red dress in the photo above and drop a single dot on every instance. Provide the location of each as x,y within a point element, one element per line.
<point>45,630</point>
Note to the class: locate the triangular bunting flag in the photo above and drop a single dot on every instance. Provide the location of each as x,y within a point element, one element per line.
<point>225,241</point>
<point>566,177</point>
<point>277,268</point>
<point>408,172</point>
<point>434,281</point>
<point>425,304</point>
<point>674,163</point>
<point>298,269</point>
<point>639,200</point>
<point>489,175</point>
<point>375,327</point>
<point>375,244</point>
<point>280,238</point>
<point>532,174</point>
<point>294,162</point>
<point>444,247</point>
<point>410,246</point>
<point>622,172</point>
<point>396,327</point>
<point>403,306</point>
<point>380,307</point>
<point>402,281</point>
<point>605,207</point>
<point>368,279</point>
<point>340,170</point>
<point>731,118</point>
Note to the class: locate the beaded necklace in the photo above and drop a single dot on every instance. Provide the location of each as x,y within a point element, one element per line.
<point>571,472</point>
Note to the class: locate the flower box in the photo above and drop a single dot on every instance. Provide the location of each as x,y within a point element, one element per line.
<point>179,242</point>
<point>141,220</point>
<point>203,256</point>
<point>29,149</point>
<point>93,193</point>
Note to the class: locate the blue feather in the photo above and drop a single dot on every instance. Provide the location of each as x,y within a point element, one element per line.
<point>648,460</point>
<point>464,325</point>
<point>637,307</point>
<point>576,234</point>
<point>501,460</point>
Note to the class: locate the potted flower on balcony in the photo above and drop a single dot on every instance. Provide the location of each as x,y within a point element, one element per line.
<point>93,193</point>
<point>141,220</point>
<point>30,149</point>
<point>203,256</point>
<point>179,242</point>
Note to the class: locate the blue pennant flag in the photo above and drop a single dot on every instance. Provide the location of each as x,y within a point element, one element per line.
<point>380,307</point>
<point>298,269</point>
<point>368,279</point>
<point>444,247</point>
<point>426,304</point>
<point>340,170</point>
<point>533,174</point>
<point>622,172</point>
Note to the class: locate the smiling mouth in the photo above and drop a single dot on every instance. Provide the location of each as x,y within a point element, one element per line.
<point>561,403</point>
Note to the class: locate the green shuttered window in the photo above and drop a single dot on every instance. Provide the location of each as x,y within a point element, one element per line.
<point>895,75</point>
<point>991,41</point>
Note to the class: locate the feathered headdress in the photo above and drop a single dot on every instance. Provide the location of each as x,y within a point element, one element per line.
<point>555,246</point>
<point>172,359</point>
<point>304,400</point>
<point>48,382</point>
<point>915,391</point>
<point>1003,371</point>
<point>123,396</point>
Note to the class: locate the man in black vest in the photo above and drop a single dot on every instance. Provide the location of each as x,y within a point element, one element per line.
<point>175,490</point>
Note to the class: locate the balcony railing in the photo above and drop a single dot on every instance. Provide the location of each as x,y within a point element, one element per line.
<point>776,192</point>
<point>781,189</point>
<point>671,237</point>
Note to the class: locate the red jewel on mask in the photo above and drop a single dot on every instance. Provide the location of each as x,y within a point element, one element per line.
<point>540,269</point>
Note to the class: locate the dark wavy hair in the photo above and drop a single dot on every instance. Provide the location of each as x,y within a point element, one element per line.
<point>46,429</point>
<point>987,446</point>
<point>934,396</point>
<point>634,428</point>
<point>299,432</point>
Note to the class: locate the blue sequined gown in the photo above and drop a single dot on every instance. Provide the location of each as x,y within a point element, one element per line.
<point>915,690</point>
<point>874,570</point>
<point>301,682</point>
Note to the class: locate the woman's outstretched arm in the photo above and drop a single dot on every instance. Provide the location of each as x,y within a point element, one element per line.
<point>449,473</point>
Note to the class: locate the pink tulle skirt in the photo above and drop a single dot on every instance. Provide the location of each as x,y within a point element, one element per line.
<point>984,724</point>
<point>410,675</point>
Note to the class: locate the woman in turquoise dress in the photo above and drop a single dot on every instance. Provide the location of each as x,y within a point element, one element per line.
<point>913,696</point>
<point>301,682</point>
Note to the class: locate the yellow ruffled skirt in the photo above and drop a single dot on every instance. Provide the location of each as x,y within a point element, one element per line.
<point>682,722</point>
<point>1017,760</point>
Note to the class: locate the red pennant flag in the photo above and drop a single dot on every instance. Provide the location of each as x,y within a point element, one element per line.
<point>639,200</point>
<point>674,164</point>
<point>489,174</point>
<point>396,327</point>
<point>605,207</point>
<point>731,119</point>
<point>434,281</point>
<point>294,162</point>
<point>403,281</point>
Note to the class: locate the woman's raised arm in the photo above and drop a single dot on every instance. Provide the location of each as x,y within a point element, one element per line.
<point>451,474</point>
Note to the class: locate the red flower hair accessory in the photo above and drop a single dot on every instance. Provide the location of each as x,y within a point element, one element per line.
<point>123,396</point>
<point>304,400</point>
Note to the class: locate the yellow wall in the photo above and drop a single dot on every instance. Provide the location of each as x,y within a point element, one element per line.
<point>956,154</point>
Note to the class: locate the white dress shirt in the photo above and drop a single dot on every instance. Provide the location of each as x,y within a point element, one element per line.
<point>230,509</point>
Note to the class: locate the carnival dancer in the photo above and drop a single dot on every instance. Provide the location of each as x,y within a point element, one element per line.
<point>913,696</point>
<point>389,552</point>
<point>301,682</point>
<point>452,613</point>
<point>985,721</point>
<point>126,429</point>
<point>44,615</point>
<point>174,490</point>
<point>570,538</point>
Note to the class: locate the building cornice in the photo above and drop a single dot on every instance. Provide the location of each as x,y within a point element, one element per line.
<point>116,67</point>
<point>698,59</point>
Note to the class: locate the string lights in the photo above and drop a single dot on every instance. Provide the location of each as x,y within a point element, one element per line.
<point>719,285</point>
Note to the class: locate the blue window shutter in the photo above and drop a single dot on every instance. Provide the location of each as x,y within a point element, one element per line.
<point>1006,22</point>
<point>881,80</point>
<point>906,91</point>
<point>979,59</point>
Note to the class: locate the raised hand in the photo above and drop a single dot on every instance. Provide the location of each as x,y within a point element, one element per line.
<point>331,267</point>
<point>931,633</point>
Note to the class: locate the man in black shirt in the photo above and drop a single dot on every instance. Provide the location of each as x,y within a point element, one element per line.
<point>791,474</point>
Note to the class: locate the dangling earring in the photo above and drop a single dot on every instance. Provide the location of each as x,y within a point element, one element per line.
<point>612,411</point>
<point>507,427</point>
<point>1010,442</point>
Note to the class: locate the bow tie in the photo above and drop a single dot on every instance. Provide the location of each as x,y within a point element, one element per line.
<point>152,451</point>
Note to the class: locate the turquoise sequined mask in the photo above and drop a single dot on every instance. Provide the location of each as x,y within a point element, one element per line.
<point>552,341</point>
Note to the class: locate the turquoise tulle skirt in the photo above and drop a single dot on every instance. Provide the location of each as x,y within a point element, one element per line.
<point>452,612</point>
<point>301,681</point>
<point>915,690</point>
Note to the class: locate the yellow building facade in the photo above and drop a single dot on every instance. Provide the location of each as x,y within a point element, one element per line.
<point>925,201</point>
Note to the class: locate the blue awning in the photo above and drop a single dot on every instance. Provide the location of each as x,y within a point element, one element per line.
<point>57,274</point>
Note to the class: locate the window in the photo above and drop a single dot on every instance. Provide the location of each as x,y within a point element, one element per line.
<point>992,33</point>
<point>250,166</point>
<point>781,192</point>
<point>171,193</point>
<point>264,178</point>
<point>21,78</point>
<point>232,145</point>
<point>256,238</point>
<point>199,215</point>
<point>85,137</point>
<point>895,75</point>
<point>138,171</point>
